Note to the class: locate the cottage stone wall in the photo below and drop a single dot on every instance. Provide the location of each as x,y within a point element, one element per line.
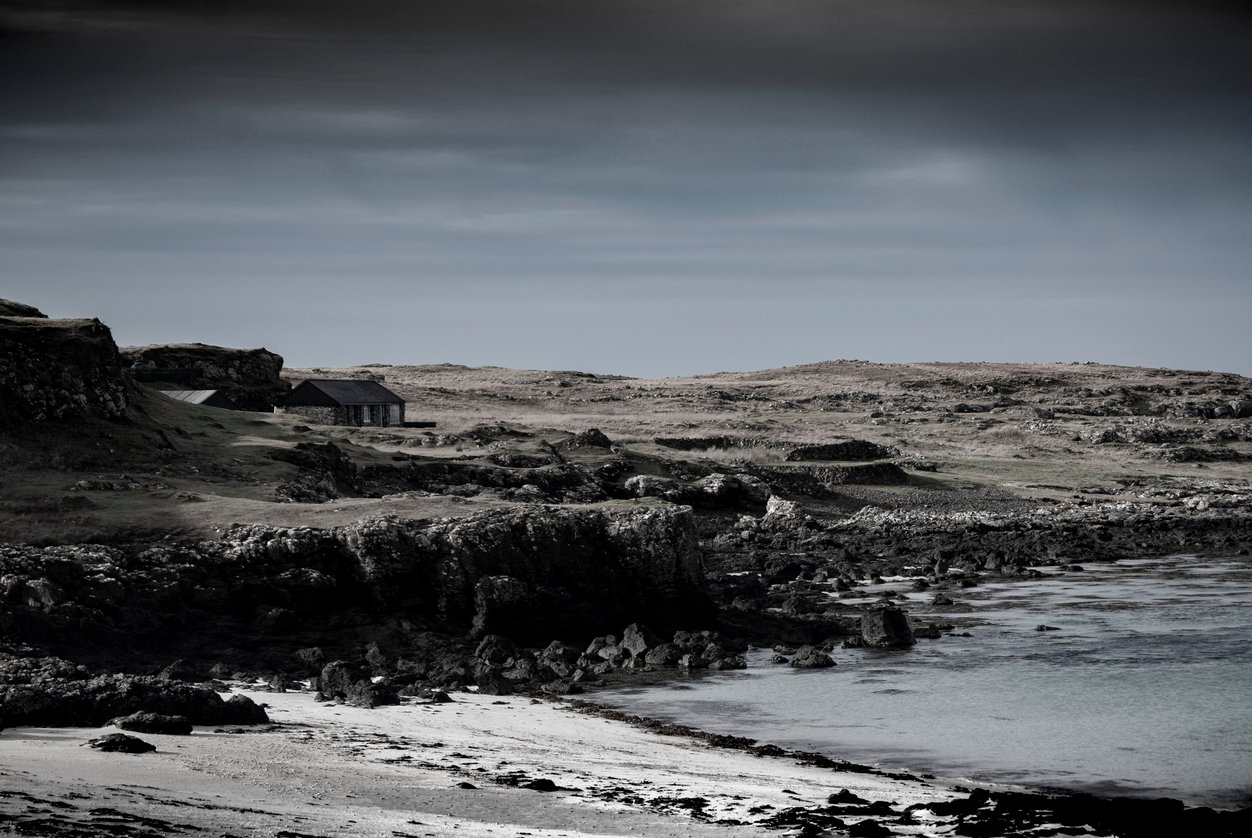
<point>349,415</point>
<point>316,415</point>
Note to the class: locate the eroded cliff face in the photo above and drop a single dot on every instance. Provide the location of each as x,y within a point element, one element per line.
<point>260,592</point>
<point>249,376</point>
<point>57,370</point>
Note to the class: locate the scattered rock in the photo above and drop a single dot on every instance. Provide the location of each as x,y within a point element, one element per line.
<point>120,743</point>
<point>811,657</point>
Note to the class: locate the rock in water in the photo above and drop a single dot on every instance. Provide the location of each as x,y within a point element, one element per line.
<point>810,657</point>
<point>122,744</point>
<point>154,723</point>
<point>886,627</point>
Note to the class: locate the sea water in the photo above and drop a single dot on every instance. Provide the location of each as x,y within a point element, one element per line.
<point>1144,690</point>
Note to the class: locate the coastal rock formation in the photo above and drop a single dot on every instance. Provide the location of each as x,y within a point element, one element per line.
<point>57,370</point>
<point>11,308</point>
<point>54,692</point>
<point>938,542</point>
<point>530,574</point>
<point>251,377</point>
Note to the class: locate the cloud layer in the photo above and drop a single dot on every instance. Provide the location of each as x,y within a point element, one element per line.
<point>650,188</point>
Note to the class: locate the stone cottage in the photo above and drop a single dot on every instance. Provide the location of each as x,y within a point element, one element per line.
<point>344,402</point>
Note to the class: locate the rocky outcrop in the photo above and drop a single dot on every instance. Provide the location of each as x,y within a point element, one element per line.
<point>251,377</point>
<point>326,473</point>
<point>58,371</point>
<point>530,574</point>
<point>936,543</point>
<point>10,308</point>
<point>553,483</point>
<point>716,491</point>
<point>54,692</point>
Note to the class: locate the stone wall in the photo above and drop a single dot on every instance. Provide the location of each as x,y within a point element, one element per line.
<point>314,414</point>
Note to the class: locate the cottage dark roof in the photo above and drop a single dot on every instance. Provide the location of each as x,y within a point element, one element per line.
<point>331,392</point>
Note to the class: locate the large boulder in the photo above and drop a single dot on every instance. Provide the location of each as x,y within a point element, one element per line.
<point>637,640</point>
<point>885,626</point>
<point>353,684</point>
<point>496,650</point>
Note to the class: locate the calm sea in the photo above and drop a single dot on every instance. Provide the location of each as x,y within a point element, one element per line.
<point>1145,689</point>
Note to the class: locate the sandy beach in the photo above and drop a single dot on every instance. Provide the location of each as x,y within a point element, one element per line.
<point>332,770</point>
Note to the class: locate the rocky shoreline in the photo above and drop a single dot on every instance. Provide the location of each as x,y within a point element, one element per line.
<point>195,601</point>
<point>154,556</point>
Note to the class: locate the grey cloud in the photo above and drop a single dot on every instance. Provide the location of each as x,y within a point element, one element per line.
<point>807,161</point>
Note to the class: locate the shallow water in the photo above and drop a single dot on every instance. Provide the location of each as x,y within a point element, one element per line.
<point>1145,690</point>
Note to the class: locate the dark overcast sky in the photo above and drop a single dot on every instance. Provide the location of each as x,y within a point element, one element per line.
<point>631,186</point>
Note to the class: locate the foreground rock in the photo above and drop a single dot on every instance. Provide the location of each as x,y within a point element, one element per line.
<point>810,657</point>
<point>886,627</point>
<point>55,693</point>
